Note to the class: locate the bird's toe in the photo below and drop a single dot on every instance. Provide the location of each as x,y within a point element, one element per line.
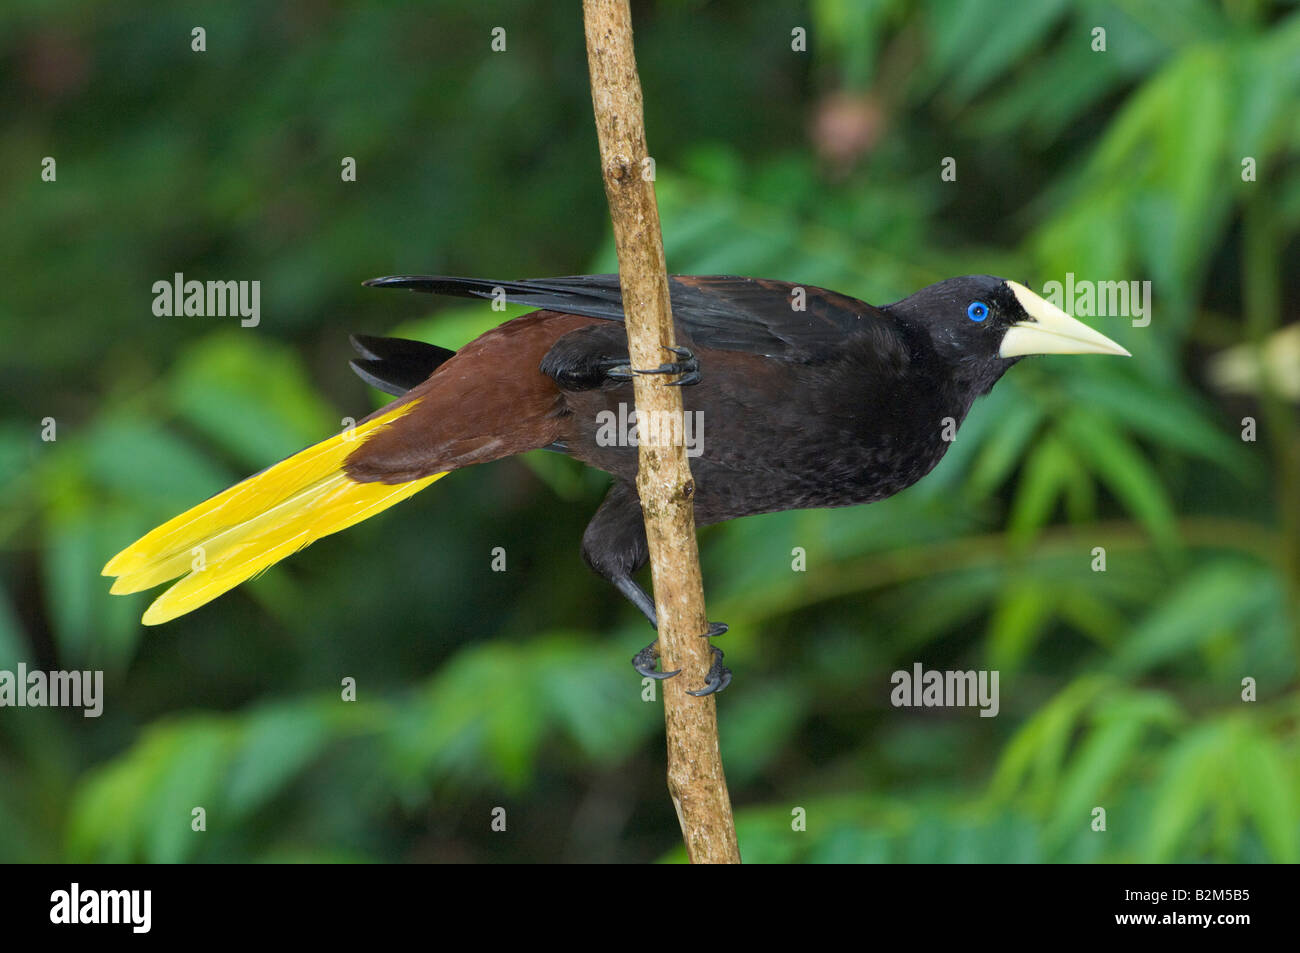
<point>646,660</point>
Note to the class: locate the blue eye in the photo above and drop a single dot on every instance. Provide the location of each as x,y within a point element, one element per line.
<point>977,311</point>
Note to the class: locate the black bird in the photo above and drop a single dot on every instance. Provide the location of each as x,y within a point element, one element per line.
<point>807,398</point>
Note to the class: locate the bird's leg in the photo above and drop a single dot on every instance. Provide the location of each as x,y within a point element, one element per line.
<point>644,661</point>
<point>687,365</point>
<point>638,597</point>
<point>641,599</point>
<point>614,545</point>
<point>719,676</point>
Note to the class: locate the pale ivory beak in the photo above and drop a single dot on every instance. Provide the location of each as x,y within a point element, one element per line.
<point>1050,330</point>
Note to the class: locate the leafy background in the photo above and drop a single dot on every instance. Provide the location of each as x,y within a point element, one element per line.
<point>1120,689</point>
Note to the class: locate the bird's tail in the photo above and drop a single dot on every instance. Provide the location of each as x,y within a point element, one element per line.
<point>254,524</point>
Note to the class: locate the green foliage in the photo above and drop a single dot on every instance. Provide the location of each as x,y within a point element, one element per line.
<point>476,725</point>
<point>1121,689</point>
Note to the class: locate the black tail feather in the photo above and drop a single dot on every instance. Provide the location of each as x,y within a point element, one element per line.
<point>395,365</point>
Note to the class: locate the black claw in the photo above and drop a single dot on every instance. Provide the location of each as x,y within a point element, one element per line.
<point>645,660</point>
<point>719,676</point>
<point>687,366</point>
<point>715,628</point>
<point>685,353</point>
<point>616,369</point>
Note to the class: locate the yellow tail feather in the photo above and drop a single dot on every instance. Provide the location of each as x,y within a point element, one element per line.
<point>254,524</point>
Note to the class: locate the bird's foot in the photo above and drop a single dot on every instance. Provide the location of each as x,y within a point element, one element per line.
<point>687,365</point>
<point>645,660</point>
<point>719,676</point>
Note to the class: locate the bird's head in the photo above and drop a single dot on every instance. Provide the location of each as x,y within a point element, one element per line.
<point>980,325</point>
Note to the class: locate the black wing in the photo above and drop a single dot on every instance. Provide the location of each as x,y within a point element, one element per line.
<point>754,315</point>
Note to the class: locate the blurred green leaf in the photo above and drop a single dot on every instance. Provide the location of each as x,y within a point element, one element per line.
<point>1119,465</point>
<point>1214,598</point>
<point>250,396</point>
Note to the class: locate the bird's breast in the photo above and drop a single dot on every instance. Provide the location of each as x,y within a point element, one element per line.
<point>763,436</point>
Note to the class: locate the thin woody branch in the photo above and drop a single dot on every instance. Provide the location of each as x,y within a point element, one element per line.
<point>695,776</point>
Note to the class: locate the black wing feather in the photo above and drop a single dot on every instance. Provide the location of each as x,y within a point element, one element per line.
<point>753,315</point>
